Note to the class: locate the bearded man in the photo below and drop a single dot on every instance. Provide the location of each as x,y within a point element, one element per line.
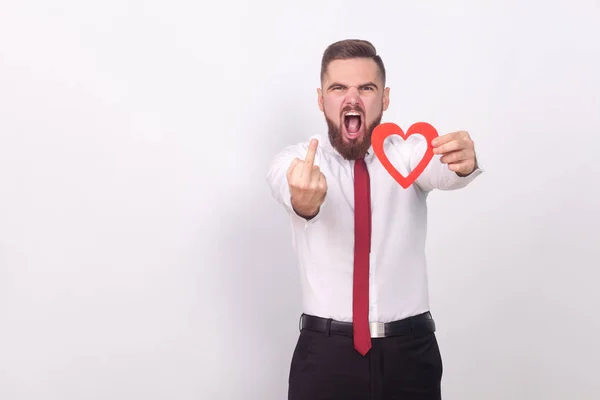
<point>366,330</point>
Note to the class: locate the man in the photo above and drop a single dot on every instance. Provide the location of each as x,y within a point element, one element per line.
<point>366,329</point>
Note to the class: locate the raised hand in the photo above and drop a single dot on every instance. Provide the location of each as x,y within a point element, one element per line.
<point>458,151</point>
<point>308,186</point>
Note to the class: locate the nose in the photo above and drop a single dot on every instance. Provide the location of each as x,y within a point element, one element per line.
<point>352,95</point>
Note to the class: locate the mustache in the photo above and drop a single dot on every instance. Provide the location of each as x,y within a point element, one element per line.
<point>351,108</point>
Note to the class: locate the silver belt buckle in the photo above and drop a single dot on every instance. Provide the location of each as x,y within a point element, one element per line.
<point>377,329</point>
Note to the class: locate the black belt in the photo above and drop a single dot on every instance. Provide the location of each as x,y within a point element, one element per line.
<point>418,325</point>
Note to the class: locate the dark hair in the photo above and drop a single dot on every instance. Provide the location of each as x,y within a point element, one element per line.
<point>351,48</point>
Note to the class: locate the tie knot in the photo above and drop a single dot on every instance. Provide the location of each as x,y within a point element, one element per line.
<point>360,164</point>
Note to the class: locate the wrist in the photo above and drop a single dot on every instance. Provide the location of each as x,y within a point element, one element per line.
<point>305,212</point>
<point>464,175</point>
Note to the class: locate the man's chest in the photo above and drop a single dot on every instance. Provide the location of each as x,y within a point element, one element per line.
<point>385,193</point>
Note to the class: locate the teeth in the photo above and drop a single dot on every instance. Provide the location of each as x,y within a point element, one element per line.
<point>353,113</point>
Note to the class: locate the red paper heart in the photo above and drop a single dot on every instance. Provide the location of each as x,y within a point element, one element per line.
<point>382,131</point>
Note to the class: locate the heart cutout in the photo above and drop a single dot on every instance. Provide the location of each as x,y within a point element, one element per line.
<point>385,130</point>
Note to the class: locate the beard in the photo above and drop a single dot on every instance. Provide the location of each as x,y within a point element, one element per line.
<point>353,149</point>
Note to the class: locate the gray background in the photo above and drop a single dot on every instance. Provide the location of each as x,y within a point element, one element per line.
<point>141,255</point>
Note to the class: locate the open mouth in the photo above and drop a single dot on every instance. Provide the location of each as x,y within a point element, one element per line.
<point>353,123</point>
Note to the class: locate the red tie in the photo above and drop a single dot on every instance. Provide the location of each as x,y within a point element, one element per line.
<point>362,248</point>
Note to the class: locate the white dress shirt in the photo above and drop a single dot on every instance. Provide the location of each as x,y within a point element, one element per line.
<point>325,244</point>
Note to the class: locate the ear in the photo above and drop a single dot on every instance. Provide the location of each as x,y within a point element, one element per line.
<point>320,99</point>
<point>386,98</point>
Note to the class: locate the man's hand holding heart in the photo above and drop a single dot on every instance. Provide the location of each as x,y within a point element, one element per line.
<point>458,151</point>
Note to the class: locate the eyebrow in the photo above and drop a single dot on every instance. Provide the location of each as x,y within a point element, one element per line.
<point>360,86</point>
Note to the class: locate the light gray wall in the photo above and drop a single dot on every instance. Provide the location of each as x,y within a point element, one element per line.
<point>141,255</point>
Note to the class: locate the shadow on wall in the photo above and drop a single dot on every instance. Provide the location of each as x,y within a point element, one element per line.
<point>259,293</point>
<point>255,266</point>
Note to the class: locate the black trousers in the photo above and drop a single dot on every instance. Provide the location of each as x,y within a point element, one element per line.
<point>326,366</point>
